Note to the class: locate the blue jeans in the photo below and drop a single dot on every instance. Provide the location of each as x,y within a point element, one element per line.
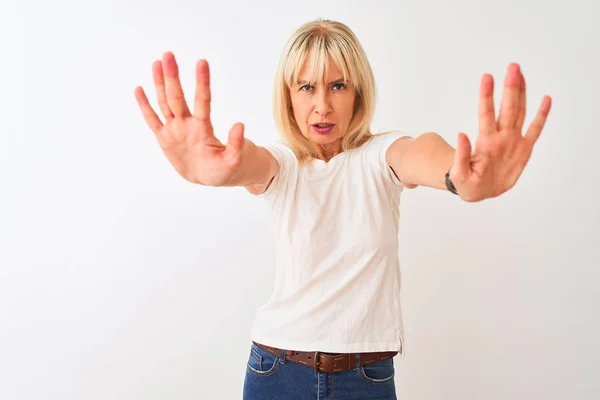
<point>270,377</point>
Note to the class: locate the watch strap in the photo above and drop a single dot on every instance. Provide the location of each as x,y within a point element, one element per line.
<point>449,184</point>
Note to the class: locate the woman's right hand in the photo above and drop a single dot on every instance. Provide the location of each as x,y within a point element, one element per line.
<point>188,139</point>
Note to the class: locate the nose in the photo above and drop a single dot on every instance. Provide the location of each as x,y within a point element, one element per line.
<point>322,102</point>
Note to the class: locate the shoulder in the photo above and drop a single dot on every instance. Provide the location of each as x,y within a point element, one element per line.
<point>381,150</point>
<point>284,155</point>
<point>286,167</point>
<point>281,152</point>
<point>390,137</point>
<point>381,144</point>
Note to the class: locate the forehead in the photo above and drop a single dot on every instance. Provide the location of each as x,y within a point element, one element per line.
<point>319,67</point>
<point>325,66</point>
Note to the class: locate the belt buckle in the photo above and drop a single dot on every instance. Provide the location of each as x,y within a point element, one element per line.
<point>317,362</point>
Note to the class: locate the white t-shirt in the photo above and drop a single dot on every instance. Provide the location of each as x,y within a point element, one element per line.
<point>337,277</point>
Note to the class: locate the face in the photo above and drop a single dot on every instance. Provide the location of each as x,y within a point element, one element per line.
<point>329,102</point>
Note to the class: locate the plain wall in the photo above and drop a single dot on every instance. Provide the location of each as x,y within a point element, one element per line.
<point>120,280</point>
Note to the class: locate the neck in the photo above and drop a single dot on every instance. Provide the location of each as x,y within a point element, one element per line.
<point>329,150</point>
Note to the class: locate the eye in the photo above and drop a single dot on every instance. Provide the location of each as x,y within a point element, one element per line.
<point>305,86</point>
<point>340,84</point>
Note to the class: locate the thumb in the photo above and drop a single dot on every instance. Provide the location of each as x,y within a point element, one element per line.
<point>235,139</point>
<point>462,157</point>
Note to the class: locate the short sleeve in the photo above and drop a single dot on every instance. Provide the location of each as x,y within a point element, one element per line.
<point>288,163</point>
<point>379,146</point>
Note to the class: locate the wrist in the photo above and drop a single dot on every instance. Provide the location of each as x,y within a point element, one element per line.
<point>449,184</point>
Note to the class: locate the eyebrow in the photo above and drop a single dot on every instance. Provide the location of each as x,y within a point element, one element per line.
<point>339,80</point>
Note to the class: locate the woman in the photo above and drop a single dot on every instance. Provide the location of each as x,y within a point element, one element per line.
<point>333,323</point>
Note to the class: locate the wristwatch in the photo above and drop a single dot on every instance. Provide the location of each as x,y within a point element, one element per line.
<point>449,183</point>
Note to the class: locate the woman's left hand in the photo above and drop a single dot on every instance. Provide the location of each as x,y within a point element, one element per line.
<point>501,151</point>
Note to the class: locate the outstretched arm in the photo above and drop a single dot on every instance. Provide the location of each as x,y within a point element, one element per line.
<point>421,161</point>
<point>498,158</point>
<point>187,137</point>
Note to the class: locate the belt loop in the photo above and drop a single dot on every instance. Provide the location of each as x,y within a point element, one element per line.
<point>282,353</point>
<point>317,363</point>
<point>356,360</point>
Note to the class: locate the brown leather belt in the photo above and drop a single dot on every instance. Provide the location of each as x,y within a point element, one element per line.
<point>328,362</point>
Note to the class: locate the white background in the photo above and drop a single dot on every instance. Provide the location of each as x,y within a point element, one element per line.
<point>120,280</point>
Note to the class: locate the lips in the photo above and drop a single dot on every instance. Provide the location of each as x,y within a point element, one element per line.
<point>323,125</point>
<point>323,128</point>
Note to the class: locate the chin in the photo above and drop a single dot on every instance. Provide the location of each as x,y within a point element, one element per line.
<point>324,139</point>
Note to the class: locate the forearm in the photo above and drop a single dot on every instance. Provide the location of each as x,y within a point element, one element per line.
<point>426,161</point>
<point>255,168</point>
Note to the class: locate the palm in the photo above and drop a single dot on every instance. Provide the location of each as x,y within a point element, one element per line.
<point>188,151</point>
<point>497,163</point>
<point>187,139</point>
<point>501,151</point>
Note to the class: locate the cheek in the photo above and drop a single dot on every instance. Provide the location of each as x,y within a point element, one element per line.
<point>348,109</point>
<point>300,111</point>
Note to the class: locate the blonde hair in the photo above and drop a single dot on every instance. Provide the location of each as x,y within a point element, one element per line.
<point>321,39</point>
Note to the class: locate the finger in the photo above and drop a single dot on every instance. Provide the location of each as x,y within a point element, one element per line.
<point>150,116</point>
<point>235,139</point>
<point>487,115</point>
<point>462,157</point>
<point>510,99</point>
<point>159,84</point>
<point>522,103</point>
<point>535,129</point>
<point>203,95</point>
<point>175,96</point>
